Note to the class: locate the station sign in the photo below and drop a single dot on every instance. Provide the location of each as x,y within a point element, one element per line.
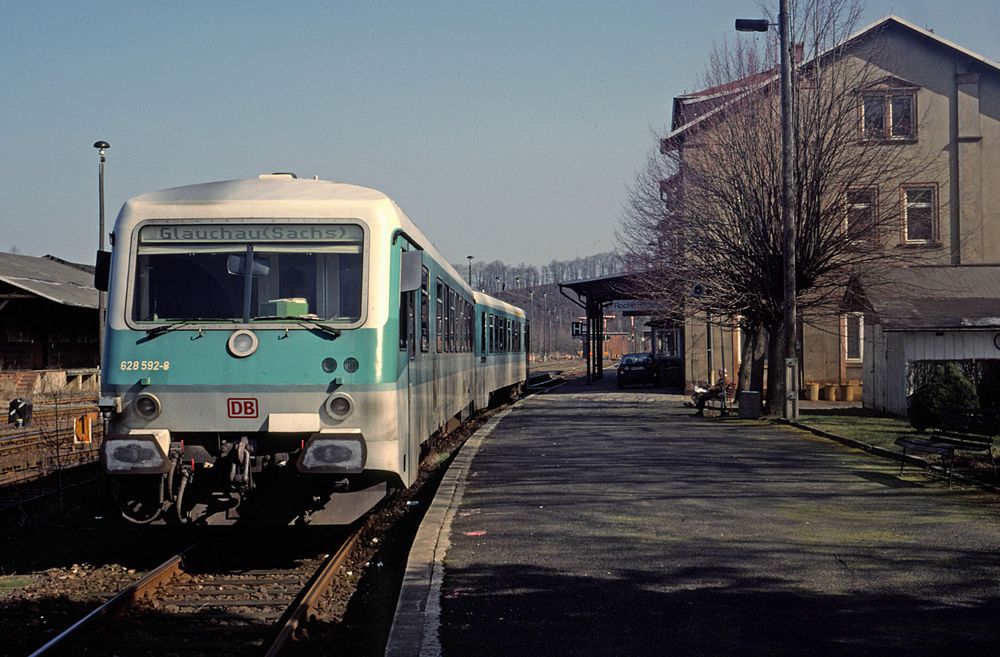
<point>633,307</point>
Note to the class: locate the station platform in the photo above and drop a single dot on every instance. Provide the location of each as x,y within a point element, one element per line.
<point>592,521</point>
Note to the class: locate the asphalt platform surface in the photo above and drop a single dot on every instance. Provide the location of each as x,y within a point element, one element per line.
<point>591,521</point>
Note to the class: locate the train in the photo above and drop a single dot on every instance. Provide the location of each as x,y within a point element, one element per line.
<point>278,350</point>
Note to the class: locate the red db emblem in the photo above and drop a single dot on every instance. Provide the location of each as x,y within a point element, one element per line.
<point>242,407</point>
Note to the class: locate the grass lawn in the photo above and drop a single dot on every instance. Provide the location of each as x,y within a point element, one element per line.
<point>868,427</point>
<point>858,424</point>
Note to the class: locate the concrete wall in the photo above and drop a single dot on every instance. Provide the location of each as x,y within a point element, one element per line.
<point>46,383</point>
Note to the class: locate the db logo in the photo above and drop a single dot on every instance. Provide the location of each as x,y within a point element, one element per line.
<point>242,407</point>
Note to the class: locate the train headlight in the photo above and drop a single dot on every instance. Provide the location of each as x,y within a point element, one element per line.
<point>337,452</point>
<point>136,453</point>
<point>351,365</point>
<point>242,343</point>
<point>339,406</point>
<point>147,405</point>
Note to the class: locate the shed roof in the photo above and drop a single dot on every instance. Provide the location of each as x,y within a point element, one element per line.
<point>49,278</point>
<point>937,298</point>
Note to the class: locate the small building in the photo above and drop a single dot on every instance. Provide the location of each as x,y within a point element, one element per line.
<point>922,314</point>
<point>48,314</point>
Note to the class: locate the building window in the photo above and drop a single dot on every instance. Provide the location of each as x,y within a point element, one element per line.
<point>859,220</point>
<point>854,336</point>
<point>889,115</point>
<point>919,214</point>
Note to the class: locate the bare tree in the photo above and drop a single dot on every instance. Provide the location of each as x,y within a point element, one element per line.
<point>720,191</point>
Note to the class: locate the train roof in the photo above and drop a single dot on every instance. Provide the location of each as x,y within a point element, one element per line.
<point>275,195</point>
<point>272,195</point>
<point>492,302</point>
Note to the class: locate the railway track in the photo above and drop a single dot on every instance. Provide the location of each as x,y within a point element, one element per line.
<point>48,445</point>
<point>228,597</point>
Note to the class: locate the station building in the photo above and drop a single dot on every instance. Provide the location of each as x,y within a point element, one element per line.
<point>949,211</point>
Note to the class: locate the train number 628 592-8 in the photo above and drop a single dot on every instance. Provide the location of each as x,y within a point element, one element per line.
<point>144,365</point>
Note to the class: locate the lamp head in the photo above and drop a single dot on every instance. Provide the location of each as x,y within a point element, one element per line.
<point>752,25</point>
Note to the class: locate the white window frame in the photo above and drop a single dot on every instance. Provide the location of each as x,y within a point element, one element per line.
<point>871,205</point>
<point>906,205</point>
<point>886,98</point>
<point>846,318</point>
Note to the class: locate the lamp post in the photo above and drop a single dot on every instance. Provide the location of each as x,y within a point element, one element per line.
<point>790,406</point>
<point>101,146</point>
<point>531,319</point>
<point>469,258</point>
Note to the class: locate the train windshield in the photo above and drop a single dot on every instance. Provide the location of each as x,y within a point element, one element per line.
<point>239,273</point>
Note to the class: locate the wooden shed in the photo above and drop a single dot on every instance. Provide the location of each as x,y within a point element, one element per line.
<point>928,313</point>
<point>48,314</point>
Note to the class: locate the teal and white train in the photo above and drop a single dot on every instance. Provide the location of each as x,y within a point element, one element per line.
<point>278,350</point>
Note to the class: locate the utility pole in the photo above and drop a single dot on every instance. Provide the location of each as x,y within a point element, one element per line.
<point>101,146</point>
<point>790,405</point>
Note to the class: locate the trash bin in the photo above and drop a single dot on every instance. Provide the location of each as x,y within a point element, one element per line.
<point>19,412</point>
<point>812,391</point>
<point>830,391</point>
<point>749,404</point>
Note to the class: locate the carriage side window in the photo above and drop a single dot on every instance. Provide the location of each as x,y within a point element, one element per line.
<point>482,334</point>
<point>470,326</point>
<point>425,311</point>
<point>447,318</point>
<point>405,316</point>
<point>493,344</point>
<point>451,320</point>
<point>460,322</point>
<point>439,316</point>
<point>517,336</point>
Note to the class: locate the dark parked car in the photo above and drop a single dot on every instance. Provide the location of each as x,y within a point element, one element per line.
<point>637,368</point>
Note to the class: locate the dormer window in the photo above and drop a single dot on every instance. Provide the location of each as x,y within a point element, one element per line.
<point>889,110</point>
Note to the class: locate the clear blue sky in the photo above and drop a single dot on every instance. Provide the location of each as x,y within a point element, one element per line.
<point>506,130</point>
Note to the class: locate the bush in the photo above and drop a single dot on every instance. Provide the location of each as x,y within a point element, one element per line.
<point>945,387</point>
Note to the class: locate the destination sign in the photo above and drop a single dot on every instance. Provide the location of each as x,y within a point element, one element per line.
<point>174,233</point>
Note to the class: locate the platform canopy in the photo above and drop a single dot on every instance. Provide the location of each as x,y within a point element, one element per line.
<point>594,295</point>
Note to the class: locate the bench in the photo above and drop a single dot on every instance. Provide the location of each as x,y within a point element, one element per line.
<point>716,402</point>
<point>960,430</point>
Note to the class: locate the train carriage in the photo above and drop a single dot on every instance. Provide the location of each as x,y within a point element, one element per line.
<point>277,350</point>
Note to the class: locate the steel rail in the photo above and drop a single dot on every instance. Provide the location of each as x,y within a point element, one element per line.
<point>128,596</point>
<point>311,594</point>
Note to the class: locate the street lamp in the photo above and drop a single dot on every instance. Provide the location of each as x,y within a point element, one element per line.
<point>469,258</point>
<point>101,146</point>
<point>790,406</point>
<point>531,319</point>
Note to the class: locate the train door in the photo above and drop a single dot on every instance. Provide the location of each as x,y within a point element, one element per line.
<point>419,403</point>
<point>409,426</point>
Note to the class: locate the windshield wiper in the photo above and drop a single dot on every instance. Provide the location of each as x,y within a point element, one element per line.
<point>164,328</point>
<point>335,332</point>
